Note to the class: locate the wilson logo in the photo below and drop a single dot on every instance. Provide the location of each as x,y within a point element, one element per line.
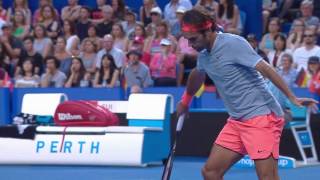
<point>68,116</point>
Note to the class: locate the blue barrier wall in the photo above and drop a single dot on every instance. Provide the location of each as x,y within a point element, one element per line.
<point>4,106</point>
<point>252,9</point>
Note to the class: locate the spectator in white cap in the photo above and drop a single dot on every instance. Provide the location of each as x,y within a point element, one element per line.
<point>171,8</point>
<point>156,18</point>
<point>176,29</point>
<point>145,15</point>
<point>163,65</point>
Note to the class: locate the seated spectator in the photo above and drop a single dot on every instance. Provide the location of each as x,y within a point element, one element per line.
<point>170,9</point>
<point>251,38</point>
<point>62,55</point>
<point>210,5</point>
<point>274,56</point>
<point>119,9</point>
<point>308,49</point>
<point>97,13</point>
<point>4,59</point>
<point>89,55</point>
<point>120,38</point>
<point>295,38</point>
<point>130,23</point>
<point>37,14</point>
<point>49,19</point>
<point>93,36</point>
<point>306,9</point>
<point>27,78</point>
<point>229,17</point>
<point>156,19</point>
<point>162,32</point>
<point>29,53</point>
<point>20,27</point>
<point>163,66</point>
<point>139,32</point>
<point>314,85</point>
<point>73,41</point>
<point>83,23</point>
<point>266,43</point>
<point>3,75</point>
<point>137,73</point>
<point>77,76</point>
<point>108,74</point>
<point>176,28</point>
<point>145,11</point>
<point>42,43</point>
<point>108,48</point>
<point>71,11</point>
<point>19,5</point>
<point>11,45</point>
<point>52,77</point>
<point>269,9</point>
<point>138,44</point>
<point>105,26</point>
<point>287,72</point>
<point>3,12</point>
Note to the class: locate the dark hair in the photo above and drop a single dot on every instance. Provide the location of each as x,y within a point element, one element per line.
<point>82,70</point>
<point>86,8</point>
<point>198,16</point>
<point>283,38</point>
<point>56,61</point>
<point>23,72</point>
<point>28,38</point>
<point>72,26</point>
<point>43,29</point>
<point>113,67</point>
<point>230,7</point>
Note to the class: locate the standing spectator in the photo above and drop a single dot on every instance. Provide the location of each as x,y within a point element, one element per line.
<point>37,14</point>
<point>130,23</point>
<point>163,66</point>
<point>229,17</point>
<point>49,19</point>
<point>19,5</point>
<point>308,49</point>
<point>97,13</point>
<point>77,73</point>
<point>11,45</point>
<point>275,55</point>
<point>89,55</point>
<point>69,32</point>
<point>42,43</point>
<point>52,76</point>
<point>120,38</point>
<point>266,43</point>
<point>156,19</point>
<point>145,11</point>
<point>287,72</point>
<point>27,78</point>
<point>31,54</point>
<point>105,26</point>
<point>83,23</point>
<point>137,73</point>
<point>119,9</point>
<point>306,9</point>
<point>71,12</point>
<point>295,38</point>
<point>108,48</point>
<point>62,55</point>
<point>93,36</point>
<point>20,27</point>
<point>171,9</point>
<point>108,74</point>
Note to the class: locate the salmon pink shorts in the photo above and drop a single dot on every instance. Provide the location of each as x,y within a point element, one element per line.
<point>259,137</point>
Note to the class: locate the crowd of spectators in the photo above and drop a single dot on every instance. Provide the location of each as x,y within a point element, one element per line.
<point>111,45</point>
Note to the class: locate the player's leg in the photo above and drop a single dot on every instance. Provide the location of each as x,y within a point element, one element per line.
<point>267,169</point>
<point>226,151</point>
<point>220,160</point>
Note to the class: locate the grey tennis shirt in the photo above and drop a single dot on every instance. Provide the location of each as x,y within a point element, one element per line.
<point>231,65</point>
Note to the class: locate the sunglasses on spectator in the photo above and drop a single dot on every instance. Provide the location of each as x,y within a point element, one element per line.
<point>308,35</point>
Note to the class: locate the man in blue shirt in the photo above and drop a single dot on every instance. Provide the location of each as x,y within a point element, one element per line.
<point>256,118</point>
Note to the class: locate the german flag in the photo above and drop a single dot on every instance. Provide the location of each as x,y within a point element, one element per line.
<point>302,78</point>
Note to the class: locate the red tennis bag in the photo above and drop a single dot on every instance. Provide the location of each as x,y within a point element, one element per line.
<point>84,113</point>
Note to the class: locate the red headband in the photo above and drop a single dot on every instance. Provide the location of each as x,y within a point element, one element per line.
<point>196,27</point>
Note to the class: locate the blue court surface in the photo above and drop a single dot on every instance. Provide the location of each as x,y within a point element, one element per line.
<point>185,168</point>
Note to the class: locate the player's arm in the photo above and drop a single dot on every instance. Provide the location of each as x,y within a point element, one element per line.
<point>265,69</point>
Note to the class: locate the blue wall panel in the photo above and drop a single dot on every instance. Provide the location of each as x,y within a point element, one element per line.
<point>4,106</point>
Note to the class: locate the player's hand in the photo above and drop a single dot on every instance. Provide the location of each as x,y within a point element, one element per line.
<point>308,102</point>
<point>182,109</point>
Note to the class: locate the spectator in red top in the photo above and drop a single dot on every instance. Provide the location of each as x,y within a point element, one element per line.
<point>163,66</point>
<point>138,44</point>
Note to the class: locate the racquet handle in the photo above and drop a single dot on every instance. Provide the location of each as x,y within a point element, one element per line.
<point>180,122</point>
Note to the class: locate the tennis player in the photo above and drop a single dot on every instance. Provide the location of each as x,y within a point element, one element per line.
<point>256,118</point>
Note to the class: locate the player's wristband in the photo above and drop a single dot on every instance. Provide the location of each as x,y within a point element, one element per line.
<point>186,99</point>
